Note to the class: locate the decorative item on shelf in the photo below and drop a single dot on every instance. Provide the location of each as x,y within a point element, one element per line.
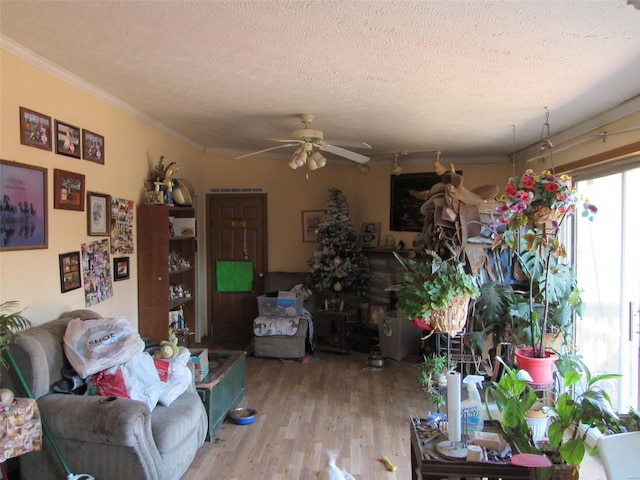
<point>177,263</point>
<point>162,187</point>
<point>435,291</point>
<point>534,208</point>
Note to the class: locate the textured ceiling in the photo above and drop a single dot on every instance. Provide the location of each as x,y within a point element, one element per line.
<point>414,75</point>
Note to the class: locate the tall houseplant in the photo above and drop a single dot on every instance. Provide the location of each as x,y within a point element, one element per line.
<point>435,292</point>
<point>534,208</point>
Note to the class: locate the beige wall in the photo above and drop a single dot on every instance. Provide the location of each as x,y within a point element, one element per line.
<point>31,276</point>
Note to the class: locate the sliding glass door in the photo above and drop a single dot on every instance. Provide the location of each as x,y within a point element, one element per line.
<point>608,266</point>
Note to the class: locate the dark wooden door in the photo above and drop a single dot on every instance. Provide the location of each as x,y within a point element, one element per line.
<point>236,231</point>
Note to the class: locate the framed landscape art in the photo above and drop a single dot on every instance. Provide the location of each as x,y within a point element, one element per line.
<point>23,190</point>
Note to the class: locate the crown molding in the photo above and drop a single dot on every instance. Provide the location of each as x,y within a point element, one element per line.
<point>53,69</point>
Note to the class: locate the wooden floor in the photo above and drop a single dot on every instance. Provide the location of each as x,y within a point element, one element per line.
<point>333,402</point>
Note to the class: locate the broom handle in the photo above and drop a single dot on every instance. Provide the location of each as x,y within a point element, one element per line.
<point>45,427</point>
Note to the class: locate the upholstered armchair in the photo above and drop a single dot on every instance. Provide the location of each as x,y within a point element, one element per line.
<point>110,439</point>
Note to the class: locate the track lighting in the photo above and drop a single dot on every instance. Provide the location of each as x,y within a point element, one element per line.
<point>396,169</point>
<point>364,169</point>
<point>439,168</point>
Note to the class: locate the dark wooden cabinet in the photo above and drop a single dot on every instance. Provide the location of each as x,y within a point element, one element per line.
<point>162,289</point>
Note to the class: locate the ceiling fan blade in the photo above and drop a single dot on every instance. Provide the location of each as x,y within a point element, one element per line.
<point>349,144</point>
<point>356,157</point>
<point>266,150</point>
<point>284,140</point>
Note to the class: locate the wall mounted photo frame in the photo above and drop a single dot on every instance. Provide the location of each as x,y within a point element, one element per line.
<point>23,190</point>
<point>98,214</point>
<point>406,200</point>
<point>69,271</point>
<point>310,222</point>
<point>35,129</point>
<point>68,190</point>
<point>92,147</point>
<point>370,234</point>
<point>120,268</point>
<point>67,139</point>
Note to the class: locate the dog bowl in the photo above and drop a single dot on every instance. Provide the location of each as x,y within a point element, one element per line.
<point>243,416</point>
<point>376,361</point>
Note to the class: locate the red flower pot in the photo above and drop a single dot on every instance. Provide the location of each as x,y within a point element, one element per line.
<point>540,369</point>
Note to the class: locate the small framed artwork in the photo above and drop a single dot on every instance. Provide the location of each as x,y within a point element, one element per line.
<point>69,271</point>
<point>376,312</point>
<point>68,190</point>
<point>35,129</point>
<point>23,190</point>
<point>120,268</point>
<point>67,139</point>
<point>310,222</point>
<point>98,214</point>
<point>370,234</point>
<point>92,147</point>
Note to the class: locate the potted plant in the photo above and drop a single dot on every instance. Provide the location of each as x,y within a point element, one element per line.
<point>583,406</point>
<point>432,377</point>
<point>11,322</point>
<point>435,292</point>
<point>534,207</point>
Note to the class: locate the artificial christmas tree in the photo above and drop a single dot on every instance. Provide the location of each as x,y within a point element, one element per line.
<point>338,266</point>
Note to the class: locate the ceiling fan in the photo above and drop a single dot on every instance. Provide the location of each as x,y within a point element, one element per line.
<point>306,139</point>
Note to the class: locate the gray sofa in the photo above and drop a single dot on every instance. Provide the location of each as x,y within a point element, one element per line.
<point>110,440</point>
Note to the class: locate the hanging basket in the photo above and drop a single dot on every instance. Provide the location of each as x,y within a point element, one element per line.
<point>540,214</point>
<point>452,319</point>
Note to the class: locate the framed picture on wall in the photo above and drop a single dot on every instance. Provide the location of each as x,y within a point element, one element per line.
<point>408,193</point>
<point>23,190</point>
<point>310,222</point>
<point>92,147</point>
<point>120,268</point>
<point>35,129</point>
<point>68,190</point>
<point>67,139</point>
<point>69,271</point>
<point>370,234</point>
<point>98,214</point>
<point>376,312</point>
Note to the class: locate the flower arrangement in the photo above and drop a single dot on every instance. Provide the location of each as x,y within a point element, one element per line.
<point>525,197</point>
<point>533,208</point>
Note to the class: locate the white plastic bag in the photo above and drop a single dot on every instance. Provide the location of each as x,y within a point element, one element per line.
<point>95,345</point>
<point>179,378</point>
<point>137,379</point>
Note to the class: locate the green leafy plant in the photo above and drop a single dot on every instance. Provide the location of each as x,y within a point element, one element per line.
<point>11,322</point>
<point>573,414</point>
<point>431,284</point>
<point>427,377</point>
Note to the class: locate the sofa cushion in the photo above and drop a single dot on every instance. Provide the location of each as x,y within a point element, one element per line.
<point>171,425</point>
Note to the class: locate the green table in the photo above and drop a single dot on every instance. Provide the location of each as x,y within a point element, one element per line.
<point>223,387</point>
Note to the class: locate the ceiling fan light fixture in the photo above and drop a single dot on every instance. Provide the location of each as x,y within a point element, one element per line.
<point>364,169</point>
<point>292,163</point>
<point>319,160</point>
<point>311,163</point>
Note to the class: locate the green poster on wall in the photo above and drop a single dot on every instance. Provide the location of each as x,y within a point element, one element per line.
<point>234,276</point>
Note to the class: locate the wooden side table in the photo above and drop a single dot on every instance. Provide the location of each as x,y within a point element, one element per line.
<point>223,387</point>
<point>331,328</point>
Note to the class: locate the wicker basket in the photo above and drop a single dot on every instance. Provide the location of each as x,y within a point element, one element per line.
<point>541,214</point>
<point>452,319</point>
